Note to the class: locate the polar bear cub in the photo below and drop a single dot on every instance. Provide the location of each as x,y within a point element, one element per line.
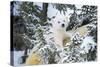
<point>61,36</point>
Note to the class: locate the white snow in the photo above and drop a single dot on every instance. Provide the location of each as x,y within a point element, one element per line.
<point>79,7</point>
<point>59,16</point>
<point>17,57</point>
<point>86,44</point>
<point>54,12</point>
<point>38,4</point>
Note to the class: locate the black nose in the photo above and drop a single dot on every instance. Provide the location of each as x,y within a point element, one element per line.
<point>63,25</point>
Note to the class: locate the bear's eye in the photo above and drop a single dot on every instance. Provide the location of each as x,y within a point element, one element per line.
<point>58,21</point>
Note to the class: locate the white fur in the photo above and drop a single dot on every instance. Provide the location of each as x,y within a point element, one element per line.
<point>59,32</point>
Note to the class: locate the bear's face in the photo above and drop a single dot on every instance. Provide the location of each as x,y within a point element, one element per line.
<point>59,23</point>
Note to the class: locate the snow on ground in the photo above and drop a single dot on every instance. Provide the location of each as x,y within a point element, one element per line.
<point>17,57</point>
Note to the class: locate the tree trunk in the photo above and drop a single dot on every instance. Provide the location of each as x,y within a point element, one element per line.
<point>45,9</point>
